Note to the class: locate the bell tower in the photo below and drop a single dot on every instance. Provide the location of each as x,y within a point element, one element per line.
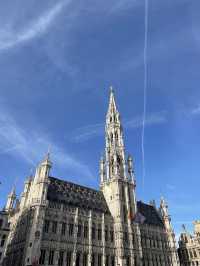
<point>117,177</point>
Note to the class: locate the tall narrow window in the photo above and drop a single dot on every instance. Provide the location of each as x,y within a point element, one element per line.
<point>54,227</point>
<point>85,231</point>
<point>93,232</point>
<point>99,260</point>
<point>60,260</point>
<point>42,256</point>
<point>46,226</point>
<point>125,213</point>
<point>106,234</point>
<point>51,257</point>
<point>111,235</point>
<point>69,258</point>
<point>71,229</point>
<point>107,260</point>
<point>79,230</point>
<point>3,240</point>
<point>85,259</point>
<point>99,234</point>
<point>128,261</point>
<point>126,236</point>
<point>78,259</point>
<point>63,230</point>
<point>93,260</point>
<point>112,261</point>
<point>123,193</point>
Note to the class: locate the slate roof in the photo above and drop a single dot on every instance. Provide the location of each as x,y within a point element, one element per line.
<point>150,214</point>
<point>76,195</point>
<point>90,199</point>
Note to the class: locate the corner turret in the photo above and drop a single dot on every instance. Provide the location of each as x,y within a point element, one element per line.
<point>11,200</point>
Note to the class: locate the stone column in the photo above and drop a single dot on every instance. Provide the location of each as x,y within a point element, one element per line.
<point>75,237</point>
<point>103,239</point>
<point>90,239</point>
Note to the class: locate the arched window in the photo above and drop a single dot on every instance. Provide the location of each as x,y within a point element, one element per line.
<point>78,259</point>
<point>116,135</point>
<point>69,258</point>
<point>111,137</point>
<point>85,259</point>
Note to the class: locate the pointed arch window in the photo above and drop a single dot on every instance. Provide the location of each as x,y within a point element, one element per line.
<point>111,137</point>
<point>116,135</point>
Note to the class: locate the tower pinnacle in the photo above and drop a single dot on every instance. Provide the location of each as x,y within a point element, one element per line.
<point>112,109</point>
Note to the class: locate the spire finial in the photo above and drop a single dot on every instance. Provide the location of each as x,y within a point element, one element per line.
<point>112,105</point>
<point>46,159</point>
<point>48,152</point>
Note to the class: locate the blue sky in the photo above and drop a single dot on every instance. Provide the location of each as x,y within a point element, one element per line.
<point>57,61</point>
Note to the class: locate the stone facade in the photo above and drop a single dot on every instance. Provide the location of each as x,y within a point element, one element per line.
<point>4,230</point>
<point>189,246</point>
<point>64,224</point>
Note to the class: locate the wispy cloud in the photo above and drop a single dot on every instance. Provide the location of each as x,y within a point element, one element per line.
<point>170,187</point>
<point>196,110</point>
<point>31,147</point>
<point>152,119</point>
<point>124,5</point>
<point>85,133</point>
<point>10,38</point>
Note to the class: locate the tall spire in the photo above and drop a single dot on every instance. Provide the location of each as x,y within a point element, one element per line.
<point>115,165</point>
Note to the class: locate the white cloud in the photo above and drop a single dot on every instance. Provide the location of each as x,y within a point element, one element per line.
<point>151,119</point>
<point>10,38</point>
<point>196,110</point>
<point>31,147</point>
<point>90,131</point>
<point>87,132</point>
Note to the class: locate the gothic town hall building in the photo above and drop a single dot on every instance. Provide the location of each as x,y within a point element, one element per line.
<point>59,223</point>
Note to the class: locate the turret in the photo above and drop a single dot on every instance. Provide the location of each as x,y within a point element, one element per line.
<point>42,172</point>
<point>164,214</point>
<point>131,169</point>
<point>11,201</point>
<point>25,194</point>
<point>102,170</point>
<point>40,183</point>
<point>169,231</point>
